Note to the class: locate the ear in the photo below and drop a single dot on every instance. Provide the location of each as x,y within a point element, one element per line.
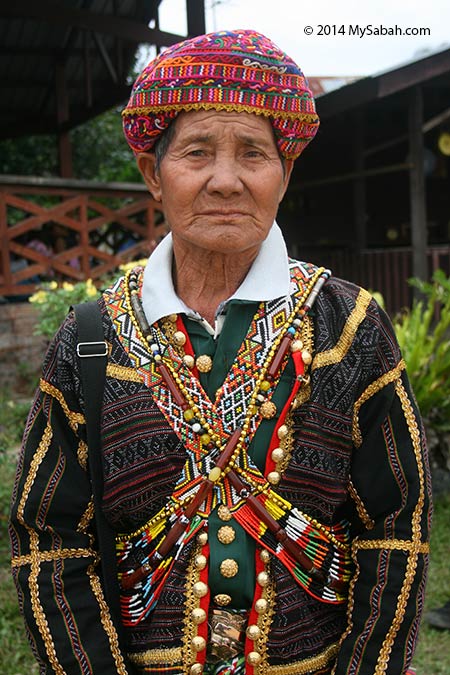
<point>146,162</point>
<point>288,166</point>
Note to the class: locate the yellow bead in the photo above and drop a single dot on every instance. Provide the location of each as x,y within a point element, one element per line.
<point>188,360</point>
<point>306,357</point>
<point>277,454</point>
<point>273,477</point>
<point>179,338</point>
<point>198,615</point>
<point>296,346</point>
<point>200,589</point>
<point>173,318</point>
<point>202,538</point>
<point>200,562</point>
<point>265,385</point>
<point>196,669</point>
<point>253,632</point>
<point>262,579</point>
<point>254,658</point>
<point>215,473</point>
<point>282,431</point>
<point>261,606</point>
<point>205,439</point>
<point>188,414</point>
<point>264,555</point>
<point>198,643</point>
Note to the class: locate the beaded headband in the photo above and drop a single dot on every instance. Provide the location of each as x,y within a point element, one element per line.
<point>237,71</point>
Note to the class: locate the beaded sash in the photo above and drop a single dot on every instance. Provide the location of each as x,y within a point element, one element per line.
<point>231,419</point>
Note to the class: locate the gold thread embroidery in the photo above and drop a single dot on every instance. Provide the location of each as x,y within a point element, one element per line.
<point>416,544</point>
<point>188,655</point>
<point>74,418</point>
<point>350,603</point>
<point>82,454</point>
<point>337,353</point>
<point>170,657</point>
<point>122,373</point>
<point>303,395</point>
<point>264,622</point>
<point>49,556</point>
<point>392,545</point>
<point>371,390</point>
<point>105,618</point>
<point>360,508</point>
<point>307,665</point>
<point>87,517</point>
<point>41,621</point>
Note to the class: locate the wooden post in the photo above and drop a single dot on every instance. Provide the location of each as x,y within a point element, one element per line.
<point>62,109</point>
<point>417,186</point>
<point>195,17</point>
<point>359,184</point>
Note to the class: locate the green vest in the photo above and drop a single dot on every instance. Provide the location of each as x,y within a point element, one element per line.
<point>223,351</point>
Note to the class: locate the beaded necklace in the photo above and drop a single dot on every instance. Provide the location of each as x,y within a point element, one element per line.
<point>218,470</point>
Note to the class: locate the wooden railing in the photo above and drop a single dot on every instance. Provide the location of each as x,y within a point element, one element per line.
<point>71,230</point>
<point>384,270</point>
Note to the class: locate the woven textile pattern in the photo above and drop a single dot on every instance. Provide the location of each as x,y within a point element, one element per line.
<point>237,71</point>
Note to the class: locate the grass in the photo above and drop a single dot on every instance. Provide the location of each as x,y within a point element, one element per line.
<point>433,653</point>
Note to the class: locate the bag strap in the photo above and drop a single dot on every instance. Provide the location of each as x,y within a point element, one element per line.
<point>92,351</point>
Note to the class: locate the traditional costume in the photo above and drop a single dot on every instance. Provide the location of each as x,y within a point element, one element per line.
<point>266,477</point>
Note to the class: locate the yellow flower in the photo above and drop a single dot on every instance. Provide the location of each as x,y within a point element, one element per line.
<point>39,297</point>
<point>52,285</point>
<point>67,286</point>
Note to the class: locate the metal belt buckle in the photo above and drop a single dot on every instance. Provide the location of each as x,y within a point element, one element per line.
<point>226,636</point>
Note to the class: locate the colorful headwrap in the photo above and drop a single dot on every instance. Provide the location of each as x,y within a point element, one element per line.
<point>237,71</point>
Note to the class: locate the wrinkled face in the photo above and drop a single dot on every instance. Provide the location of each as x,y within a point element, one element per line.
<point>220,181</point>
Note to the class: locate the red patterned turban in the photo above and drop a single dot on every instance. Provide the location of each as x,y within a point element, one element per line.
<point>236,71</point>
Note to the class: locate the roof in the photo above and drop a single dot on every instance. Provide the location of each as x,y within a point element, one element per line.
<point>65,61</point>
<point>432,70</point>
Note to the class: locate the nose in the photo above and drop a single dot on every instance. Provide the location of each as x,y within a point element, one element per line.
<point>225,177</point>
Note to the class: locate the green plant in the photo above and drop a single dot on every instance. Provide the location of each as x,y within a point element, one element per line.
<point>423,333</point>
<point>53,302</point>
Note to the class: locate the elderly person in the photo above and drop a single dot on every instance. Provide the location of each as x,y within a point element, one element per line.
<point>264,466</point>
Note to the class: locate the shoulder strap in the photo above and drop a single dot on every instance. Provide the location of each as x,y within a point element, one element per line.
<point>92,353</point>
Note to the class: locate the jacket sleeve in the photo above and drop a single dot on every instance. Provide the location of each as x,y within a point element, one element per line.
<point>390,487</point>
<point>54,561</point>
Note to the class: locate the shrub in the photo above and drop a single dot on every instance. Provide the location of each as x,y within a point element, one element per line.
<point>423,333</point>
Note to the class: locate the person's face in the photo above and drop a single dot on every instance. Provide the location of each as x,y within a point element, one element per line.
<point>220,181</point>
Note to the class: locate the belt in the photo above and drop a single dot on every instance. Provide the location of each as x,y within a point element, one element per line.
<point>227,634</point>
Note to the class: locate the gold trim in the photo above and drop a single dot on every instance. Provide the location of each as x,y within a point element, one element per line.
<point>87,517</point>
<point>264,622</point>
<point>188,656</point>
<point>372,389</point>
<point>122,373</point>
<point>74,418</point>
<point>49,556</point>
<point>392,545</point>
<point>416,543</point>
<point>82,454</point>
<point>337,353</point>
<point>171,657</point>
<point>303,395</point>
<point>105,618</point>
<point>307,665</point>
<point>360,508</point>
